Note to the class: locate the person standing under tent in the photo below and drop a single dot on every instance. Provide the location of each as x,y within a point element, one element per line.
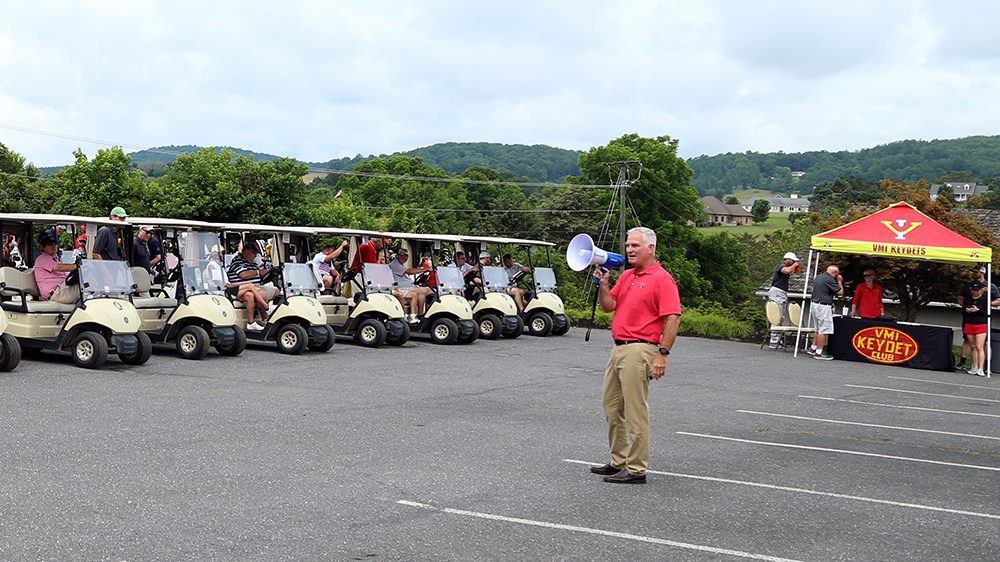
<point>647,314</point>
<point>978,275</point>
<point>778,293</point>
<point>826,286</point>
<point>974,325</point>
<point>867,301</point>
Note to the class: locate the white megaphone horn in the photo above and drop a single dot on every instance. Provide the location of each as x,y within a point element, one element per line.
<point>582,253</point>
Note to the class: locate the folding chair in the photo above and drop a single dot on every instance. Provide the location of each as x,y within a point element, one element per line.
<point>774,320</point>
<point>794,312</point>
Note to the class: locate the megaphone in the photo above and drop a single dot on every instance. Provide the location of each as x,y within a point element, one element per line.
<point>582,253</point>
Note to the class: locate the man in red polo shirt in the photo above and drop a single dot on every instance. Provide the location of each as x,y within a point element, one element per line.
<point>647,311</point>
<point>367,253</point>
<point>867,301</point>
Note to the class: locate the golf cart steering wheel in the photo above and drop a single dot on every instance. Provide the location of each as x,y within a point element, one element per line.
<point>422,278</point>
<point>269,277</point>
<point>517,278</point>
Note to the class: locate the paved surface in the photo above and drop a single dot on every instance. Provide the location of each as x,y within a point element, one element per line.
<point>269,457</point>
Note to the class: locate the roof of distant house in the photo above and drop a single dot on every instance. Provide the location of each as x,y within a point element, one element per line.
<point>715,207</point>
<point>960,187</point>
<point>782,201</point>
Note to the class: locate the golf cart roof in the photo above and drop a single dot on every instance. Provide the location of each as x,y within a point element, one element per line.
<point>57,219</point>
<point>349,232</point>
<point>497,240</point>
<point>160,222</point>
<point>243,227</point>
<point>428,237</point>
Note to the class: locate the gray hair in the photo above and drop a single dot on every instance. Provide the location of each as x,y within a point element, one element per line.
<point>648,234</point>
<point>833,270</point>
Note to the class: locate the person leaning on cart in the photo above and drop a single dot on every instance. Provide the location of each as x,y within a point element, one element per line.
<point>50,275</point>
<point>244,278</point>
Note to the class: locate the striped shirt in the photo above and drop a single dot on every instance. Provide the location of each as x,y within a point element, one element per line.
<point>240,265</point>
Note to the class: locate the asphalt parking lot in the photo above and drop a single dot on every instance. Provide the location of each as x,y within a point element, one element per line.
<point>480,452</point>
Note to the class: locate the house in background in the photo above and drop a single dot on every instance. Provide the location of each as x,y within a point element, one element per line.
<point>963,189</point>
<point>720,214</point>
<point>790,204</point>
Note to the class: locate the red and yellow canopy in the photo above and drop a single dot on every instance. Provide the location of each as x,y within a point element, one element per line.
<point>901,231</point>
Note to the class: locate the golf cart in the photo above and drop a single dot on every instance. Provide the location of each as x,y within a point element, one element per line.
<point>190,308</point>
<point>103,320</point>
<point>448,317</point>
<point>296,320</point>
<point>366,308</point>
<point>544,313</point>
<point>486,288</point>
<point>10,350</point>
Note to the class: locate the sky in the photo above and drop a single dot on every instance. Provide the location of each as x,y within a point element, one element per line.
<point>317,80</point>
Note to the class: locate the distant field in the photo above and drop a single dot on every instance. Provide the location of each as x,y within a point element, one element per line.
<point>744,194</point>
<point>775,221</point>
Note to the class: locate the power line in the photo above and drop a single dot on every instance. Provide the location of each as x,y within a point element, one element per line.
<point>316,170</point>
<point>482,210</point>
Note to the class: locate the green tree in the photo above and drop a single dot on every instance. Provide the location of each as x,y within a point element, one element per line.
<point>20,187</point>
<point>732,200</point>
<point>94,187</point>
<point>760,210</point>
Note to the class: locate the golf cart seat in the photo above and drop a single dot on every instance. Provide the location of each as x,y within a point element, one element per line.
<point>332,300</point>
<point>20,293</point>
<point>147,296</point>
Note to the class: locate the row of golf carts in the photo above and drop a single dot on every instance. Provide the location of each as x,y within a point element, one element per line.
<point>123,310</point>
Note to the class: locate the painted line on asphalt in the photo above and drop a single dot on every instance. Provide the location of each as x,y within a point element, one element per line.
<point>841,451</point>
<point>921,393</point>
<point>942,382</point>
<point>898,406</point>
<point>810,492</point>
<point>844,422</point>
<point>601,532</point>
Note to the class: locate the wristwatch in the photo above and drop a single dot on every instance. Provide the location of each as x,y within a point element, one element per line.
<point>663,351</point>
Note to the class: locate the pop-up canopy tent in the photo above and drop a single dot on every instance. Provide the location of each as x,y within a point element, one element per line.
<point>899,231</point>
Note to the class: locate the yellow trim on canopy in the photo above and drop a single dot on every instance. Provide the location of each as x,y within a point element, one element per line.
<point>902,251</point>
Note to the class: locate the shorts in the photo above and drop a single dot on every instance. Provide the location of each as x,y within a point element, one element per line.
<point>822,315</point>
<point>973,329</point>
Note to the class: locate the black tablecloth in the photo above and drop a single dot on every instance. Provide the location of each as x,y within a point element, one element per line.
<point>880,341</point>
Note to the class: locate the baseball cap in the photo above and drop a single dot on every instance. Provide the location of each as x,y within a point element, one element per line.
<point>403,251</point>
<point>976,285</point>
<point>252,247</point>
<point>791,256</point>
<point>119,212</point>
<point>45,239</point>
<point>484,254</point>
<point>979,269</point>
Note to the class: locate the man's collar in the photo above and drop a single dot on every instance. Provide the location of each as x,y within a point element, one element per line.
<point>649,268</point>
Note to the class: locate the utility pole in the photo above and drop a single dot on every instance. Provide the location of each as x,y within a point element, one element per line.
<point>629,172</point>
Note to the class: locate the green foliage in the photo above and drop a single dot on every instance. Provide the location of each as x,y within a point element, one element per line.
<point>94,187</point>
<point>732,200</point>
<point>795,217</point>
<point>759,210</point>
<point>716,321</point>
<point>840,194</point>
<point>908,160</point>
<point>20,190</point>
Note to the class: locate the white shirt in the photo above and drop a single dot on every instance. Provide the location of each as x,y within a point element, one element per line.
<point>399,274</point>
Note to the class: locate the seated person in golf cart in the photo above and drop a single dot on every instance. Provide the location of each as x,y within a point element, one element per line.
<point>470,273</point>
<point>245,276</point>
<point>50,274</point>
<point>405,289</point>
<point>323,265</point>
<point>513,270</point>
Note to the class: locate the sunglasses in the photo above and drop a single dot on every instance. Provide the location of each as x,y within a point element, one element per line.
<point>869,275</point>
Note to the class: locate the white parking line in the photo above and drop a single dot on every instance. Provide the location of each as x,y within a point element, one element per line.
<point>898,406</point>
<point>942,382</point>
<point>842,451</point>
<point>808,491</point>
<point>921,393</point>
<point>844,422</point>
<point>588,530</point>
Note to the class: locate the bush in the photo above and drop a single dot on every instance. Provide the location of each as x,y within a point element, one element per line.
<point>712,320</point>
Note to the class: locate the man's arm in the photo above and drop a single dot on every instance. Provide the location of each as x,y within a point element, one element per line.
<point>789,269</point>
<point>840,284</point>
<point>64,267</point>
<point>604,292</point>
<point>670,326</point>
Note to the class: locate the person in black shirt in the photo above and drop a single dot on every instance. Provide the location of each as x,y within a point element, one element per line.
<point>975,310</point>
<point>106,246</point>
<point>778,293</point>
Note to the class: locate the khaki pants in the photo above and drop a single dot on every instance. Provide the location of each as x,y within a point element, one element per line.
<point>66,295</point>
<point>626,390</point>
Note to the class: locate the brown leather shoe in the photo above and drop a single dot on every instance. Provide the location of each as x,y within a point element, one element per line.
<point>626,477</point>
<point>607,469</point>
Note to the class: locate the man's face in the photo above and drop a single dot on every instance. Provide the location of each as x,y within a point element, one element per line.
<point>460,260</point>
<point>976,274</point>
<point>789,262</point>
<point>485,260</point>
<point>249,255</point>
<point>50,249</point>
<point>639,253</point>
<point>509,262</point>
<point>402,257</point>
<point>327,251</point>
<point>144,235</point>
<point>869,276</point>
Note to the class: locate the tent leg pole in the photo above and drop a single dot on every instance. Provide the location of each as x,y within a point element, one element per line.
<point>989,320</point>
<point>802,311</point>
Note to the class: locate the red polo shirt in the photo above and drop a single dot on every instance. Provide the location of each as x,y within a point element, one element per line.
<point>366,254</point>
<point>642,300</point>
<point>868,301</point>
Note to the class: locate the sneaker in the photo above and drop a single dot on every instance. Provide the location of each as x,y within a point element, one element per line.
<point>254,327</point>
<point>772,347</point>
<point>978,372</point>
<point>811,351</point>
<point>823,357</point>
<point>270,308</point>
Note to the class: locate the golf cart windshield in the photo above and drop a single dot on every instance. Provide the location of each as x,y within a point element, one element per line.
<point>300,279</point>
<point>195,246</point>
<point>105,278</point>
<point>203,276</point>
<point>450,280</point>
<point>378,278</point>
<point>495,279</point>
<point>545,279</point>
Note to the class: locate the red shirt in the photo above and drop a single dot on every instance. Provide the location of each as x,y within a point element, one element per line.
<point>868,301</point>
<point>366,254</point>
<point>643,299</point>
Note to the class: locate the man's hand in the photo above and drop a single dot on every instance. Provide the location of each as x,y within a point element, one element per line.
<point>602,275</point>
<point>659,367</point>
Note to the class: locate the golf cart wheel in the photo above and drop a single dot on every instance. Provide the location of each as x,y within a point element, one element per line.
<point>540,324</point>
<point>142,353</point>
<point>238,345</point>
<point>192,342</point>
<point>292,339</point>
<point>516,331</point>
<point>489,327</point>
<point>10,353</point>
<point>470,337</point>
<point>90,350</point>
<point>560,325</point>
<point>444,331</point>
<point>403,337</point>
<point>370,333</point>
<point>331,338</point>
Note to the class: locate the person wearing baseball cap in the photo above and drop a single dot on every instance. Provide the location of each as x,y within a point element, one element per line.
<point>244,284</point>
<point>106,244</point>
<point>50,275</point>
<point>405,288</point>
<point>978,276</point>
<point>975,310</point>
<point>778,293</point>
